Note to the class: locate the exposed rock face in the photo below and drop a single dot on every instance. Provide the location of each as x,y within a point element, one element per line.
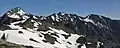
<point>59,30</point>
<point>4,44</point>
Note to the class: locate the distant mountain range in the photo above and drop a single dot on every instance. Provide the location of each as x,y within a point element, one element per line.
<point>20,29</point>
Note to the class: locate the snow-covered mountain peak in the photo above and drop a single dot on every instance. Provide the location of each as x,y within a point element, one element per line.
<point>16,13</point>
<point>18,10</point>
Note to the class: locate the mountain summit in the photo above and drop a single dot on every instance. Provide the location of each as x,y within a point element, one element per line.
<point>17,13</point>
<point>58,30</point>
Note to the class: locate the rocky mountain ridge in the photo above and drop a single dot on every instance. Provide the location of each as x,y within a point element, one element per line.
<point>59,30</point>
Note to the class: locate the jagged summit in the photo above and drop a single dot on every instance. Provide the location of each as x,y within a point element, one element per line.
<point>13,15</point>
<point>18,10</point>
<point>17,13</point>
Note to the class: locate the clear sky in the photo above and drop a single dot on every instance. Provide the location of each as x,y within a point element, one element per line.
<point>109,8</point>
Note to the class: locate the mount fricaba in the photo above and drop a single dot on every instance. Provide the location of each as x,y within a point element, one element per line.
<point>19,29</point>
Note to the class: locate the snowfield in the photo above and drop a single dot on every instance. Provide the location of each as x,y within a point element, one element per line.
<point>24,38</point>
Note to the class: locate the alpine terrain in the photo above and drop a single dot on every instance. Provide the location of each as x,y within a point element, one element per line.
<point>19,29</point>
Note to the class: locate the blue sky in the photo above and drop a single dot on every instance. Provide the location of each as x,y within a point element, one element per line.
<point>110,8</point>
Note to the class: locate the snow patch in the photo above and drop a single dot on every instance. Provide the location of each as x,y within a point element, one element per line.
<point>25,17</point>
<point>23,39</point>
<point>89,43</point>
<point>71,19</point>
<point>99,44</point>
<point>14,16</point>
<point>63,13</point>
<point>53,18</point>
<point>57,18</point>
<point>13,26</point>
<point>21,12</point>
<point>83,46</point>
<point>58,31</point>
<point>89,20</point>
<point>34,17</point>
